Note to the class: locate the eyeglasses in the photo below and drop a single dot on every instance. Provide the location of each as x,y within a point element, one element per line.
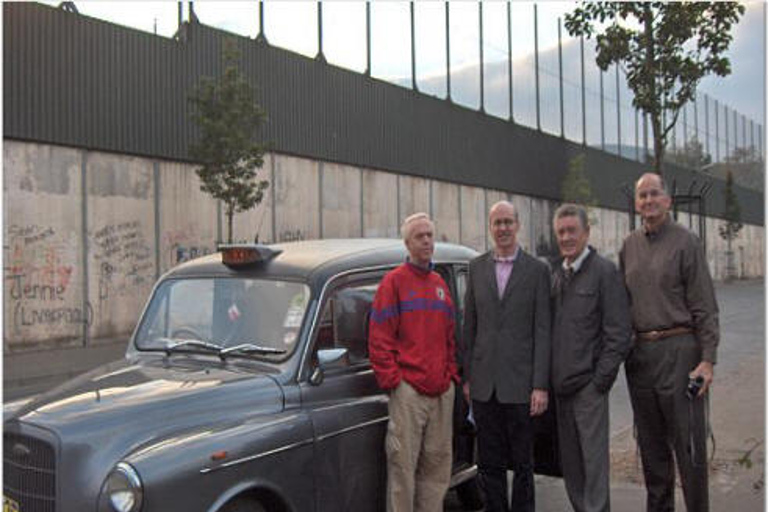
<point>507,223</point>
<point>652,193</point>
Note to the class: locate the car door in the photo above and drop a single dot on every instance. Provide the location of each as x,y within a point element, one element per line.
<point>347,409</point>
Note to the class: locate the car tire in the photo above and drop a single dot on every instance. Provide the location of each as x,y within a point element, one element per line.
<point>470,495</point>
<point>243,505</point>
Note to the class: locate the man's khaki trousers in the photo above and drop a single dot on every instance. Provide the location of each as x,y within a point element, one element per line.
<point>418,445</point>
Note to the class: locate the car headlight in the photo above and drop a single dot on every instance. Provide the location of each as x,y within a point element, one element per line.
<point>122,490</point>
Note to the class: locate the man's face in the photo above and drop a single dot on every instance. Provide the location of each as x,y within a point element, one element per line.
<point>571,235</point>
<point>651,202</point>
<point>421,241</point>
<point>504,227</point>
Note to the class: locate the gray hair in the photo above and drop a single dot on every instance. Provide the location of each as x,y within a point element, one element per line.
<point>405,228</point>
<point>572,210</point>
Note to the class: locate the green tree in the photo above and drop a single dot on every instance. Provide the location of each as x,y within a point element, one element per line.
<point>744,155</point>
<point>691,155</point>
<point>665,49</point>
<point>228,117</point>
<point>729,230</point>
<point>576,187</point>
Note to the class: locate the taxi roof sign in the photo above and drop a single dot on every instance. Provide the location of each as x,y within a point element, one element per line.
<point>238,255</point>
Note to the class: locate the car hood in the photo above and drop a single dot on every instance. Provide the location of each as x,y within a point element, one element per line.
<point>109,413</point>
<point>147,396</point>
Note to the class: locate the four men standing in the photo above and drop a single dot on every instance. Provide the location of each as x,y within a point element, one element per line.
<point>511,338</point>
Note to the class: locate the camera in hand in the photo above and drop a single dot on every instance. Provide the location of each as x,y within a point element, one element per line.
<point>694,386</point>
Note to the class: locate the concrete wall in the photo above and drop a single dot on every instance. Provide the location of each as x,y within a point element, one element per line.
<point>135,218</point>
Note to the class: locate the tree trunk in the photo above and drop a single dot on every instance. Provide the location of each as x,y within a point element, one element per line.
<point>230,215</point>
<point>655,108</point>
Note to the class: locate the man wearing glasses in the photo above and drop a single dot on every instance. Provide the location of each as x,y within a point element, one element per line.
<point>506,359</point>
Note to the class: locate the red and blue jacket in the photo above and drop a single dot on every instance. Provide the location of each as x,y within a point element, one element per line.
<point>412,331</point>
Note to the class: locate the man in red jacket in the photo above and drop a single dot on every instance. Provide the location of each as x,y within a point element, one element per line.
<point>412,350</point>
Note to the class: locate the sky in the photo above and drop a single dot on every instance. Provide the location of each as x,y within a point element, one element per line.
<point>293,25</point>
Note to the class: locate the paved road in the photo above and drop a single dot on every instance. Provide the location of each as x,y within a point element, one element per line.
<point>737,416</point>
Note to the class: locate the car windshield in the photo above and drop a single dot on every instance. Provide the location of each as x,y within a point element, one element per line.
<point>250,317</point>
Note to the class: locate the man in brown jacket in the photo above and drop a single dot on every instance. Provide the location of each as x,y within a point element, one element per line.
<point>675,319</point>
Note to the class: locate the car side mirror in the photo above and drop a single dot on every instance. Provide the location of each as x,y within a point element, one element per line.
<point>327,359</point>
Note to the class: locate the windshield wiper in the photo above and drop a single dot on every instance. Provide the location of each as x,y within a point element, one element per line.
<point>174,345</point>
<point>249,348</point>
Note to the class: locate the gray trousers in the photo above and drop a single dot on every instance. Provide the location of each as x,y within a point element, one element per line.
<point>668,422</point>
<point>582,426</point>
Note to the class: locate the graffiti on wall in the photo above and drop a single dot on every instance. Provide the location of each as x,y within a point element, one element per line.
<point>38,273</point>
<point>123,257</point>
<point>291,235</point>
<point>184,245</point>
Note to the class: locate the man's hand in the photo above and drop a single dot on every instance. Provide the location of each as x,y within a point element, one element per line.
<point>465,390</point>
<point>539,400</point>
<point>705,370</point>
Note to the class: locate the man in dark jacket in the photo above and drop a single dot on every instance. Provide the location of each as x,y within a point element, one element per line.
<point>591,337</point>
<point>506,359</point>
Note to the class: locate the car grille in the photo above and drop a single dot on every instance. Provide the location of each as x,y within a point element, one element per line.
<point>29,473</point>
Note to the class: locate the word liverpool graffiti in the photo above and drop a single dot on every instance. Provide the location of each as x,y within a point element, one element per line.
<point>30,316</point>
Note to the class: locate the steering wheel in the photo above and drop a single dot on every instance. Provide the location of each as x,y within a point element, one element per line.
<point>187,333</point>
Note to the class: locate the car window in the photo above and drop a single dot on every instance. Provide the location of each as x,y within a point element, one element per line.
<point>344,321</point>
<point>225,312</point>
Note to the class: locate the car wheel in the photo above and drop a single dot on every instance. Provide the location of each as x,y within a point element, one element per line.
<point>243,505</point>
<point>470,495</point>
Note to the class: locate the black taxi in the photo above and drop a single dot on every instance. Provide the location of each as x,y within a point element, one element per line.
<point>246,387</point>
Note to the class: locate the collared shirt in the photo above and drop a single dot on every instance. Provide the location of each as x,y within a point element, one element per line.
<point>504,265</point>
<point>576,265</point>
<point>669,284</point>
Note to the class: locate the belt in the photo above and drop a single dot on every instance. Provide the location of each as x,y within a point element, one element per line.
<point>663,333</point>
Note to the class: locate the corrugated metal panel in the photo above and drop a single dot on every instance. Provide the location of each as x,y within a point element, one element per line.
<point>77,81</point>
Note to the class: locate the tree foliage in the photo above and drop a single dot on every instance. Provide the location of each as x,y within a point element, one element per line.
<point>729,230</point>
<point>228,117</point>
<point>691,155</point>
<point>665,49</point>
<point>576,187</point>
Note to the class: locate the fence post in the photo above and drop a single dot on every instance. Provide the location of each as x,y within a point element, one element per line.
<point>482,63</point>
<point>645,138</point>
<point>262,35</point>
<point>618,111</point>
<point>637,136</point>
<point>727,135</point>
<point>414,86</point>
<point>320,54</point>
<point>509,62</point>
<point>717,131</point>
<point>696,117</point>
<point>536,62</point>
<point>448,51</point>
<point>602,112</point>
<point>706,123</point>
<point>367,38</point>
<point>560,66</point>
<point>583,95</point>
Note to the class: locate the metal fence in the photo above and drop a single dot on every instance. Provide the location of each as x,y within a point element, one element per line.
<point>511,60</point>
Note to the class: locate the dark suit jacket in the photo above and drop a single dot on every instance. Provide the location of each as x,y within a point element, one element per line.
<point>506,342</point>
<point>591,326</point>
